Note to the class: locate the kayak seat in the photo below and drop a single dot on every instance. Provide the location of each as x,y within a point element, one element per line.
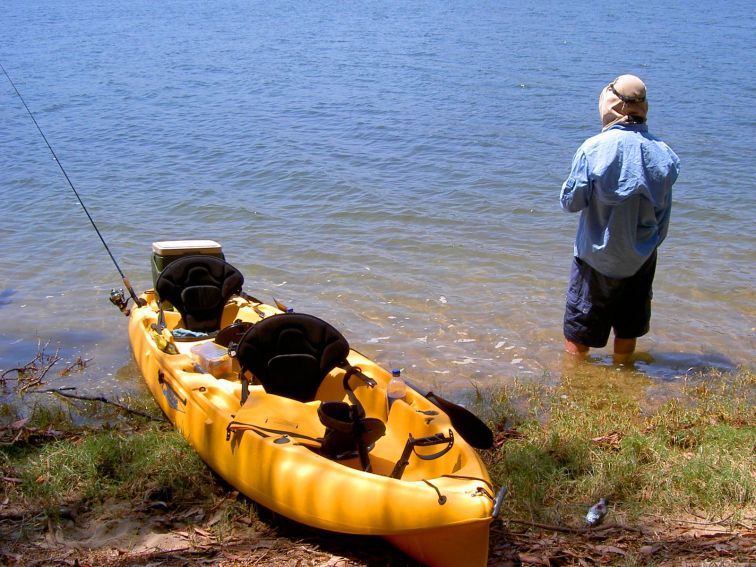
<point>290,354</point>
<point>199,286</point>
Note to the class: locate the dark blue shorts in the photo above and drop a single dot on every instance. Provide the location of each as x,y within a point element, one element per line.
<point>597,304</point>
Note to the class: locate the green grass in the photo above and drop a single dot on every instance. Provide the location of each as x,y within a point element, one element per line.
<point>137,461</point>
<point>692,453</point>
<point>144,465</point>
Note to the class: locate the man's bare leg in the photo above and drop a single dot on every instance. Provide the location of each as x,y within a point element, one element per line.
<point>575,348</point>
<point>623,348</point>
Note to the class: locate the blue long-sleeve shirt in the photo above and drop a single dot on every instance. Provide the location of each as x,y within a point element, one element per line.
<point>621,180</point>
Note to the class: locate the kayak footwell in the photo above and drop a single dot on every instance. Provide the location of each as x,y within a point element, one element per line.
<point>453,546</point>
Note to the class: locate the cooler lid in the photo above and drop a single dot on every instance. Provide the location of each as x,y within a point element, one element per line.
<point>181,247</point>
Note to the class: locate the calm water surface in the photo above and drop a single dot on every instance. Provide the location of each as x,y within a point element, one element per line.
<point>394,169</point>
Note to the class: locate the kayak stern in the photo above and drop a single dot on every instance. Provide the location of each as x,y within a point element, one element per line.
<point>450,546</point>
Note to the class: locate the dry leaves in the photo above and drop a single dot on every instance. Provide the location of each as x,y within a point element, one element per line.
<point>610,441</point>
<point>501,436</point>
<point>19,432</point>
<point>662,543</point>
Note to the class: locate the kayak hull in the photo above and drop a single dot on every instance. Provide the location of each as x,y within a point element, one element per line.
<point>438,512</point>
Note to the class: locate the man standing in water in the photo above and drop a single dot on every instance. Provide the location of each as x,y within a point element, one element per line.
<point>621,181</point>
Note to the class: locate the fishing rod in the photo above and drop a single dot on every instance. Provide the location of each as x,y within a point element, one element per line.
<point>125,280</point>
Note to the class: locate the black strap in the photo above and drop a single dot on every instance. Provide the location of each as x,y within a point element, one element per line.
<point>253,299</point>
<point>248,297</point>
<point>244,385</point>
<point>161,315</point>
<point>412,442</point>
<point>358,415</point>
<point>359,411</point>
<point>356,371</point>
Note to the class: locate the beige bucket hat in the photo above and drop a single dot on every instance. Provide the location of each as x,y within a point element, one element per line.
<point>623,101</point>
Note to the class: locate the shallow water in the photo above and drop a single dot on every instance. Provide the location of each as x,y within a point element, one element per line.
<point>393,171</point>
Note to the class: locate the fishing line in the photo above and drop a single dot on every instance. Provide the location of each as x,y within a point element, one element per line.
<point>126,282</point>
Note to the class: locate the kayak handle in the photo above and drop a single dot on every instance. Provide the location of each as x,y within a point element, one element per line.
<point>412,442</point>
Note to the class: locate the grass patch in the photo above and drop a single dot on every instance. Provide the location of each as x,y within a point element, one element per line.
<point>149,464</point>
<point>577,443</point>
<point>136,461</point>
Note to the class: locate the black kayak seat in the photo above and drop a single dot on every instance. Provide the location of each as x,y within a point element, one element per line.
<point>291,353</point>
<point>199,286</point>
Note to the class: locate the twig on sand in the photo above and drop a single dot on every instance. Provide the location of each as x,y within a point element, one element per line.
<point>572,530</point>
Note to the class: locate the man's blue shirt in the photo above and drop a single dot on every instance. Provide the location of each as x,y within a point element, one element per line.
<point>621,180</point>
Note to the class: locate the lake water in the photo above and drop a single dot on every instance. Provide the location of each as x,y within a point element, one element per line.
<point>391,167</point>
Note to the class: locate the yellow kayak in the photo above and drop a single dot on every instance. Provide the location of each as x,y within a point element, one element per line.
<point>285,411</point>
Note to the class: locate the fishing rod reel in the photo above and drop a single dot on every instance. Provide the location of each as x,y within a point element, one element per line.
<point>119,299</point>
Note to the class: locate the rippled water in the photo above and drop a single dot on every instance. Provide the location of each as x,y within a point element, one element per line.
<point>391,167</point>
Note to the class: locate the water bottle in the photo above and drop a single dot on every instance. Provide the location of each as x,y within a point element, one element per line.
<point>397,389</point>
<point>597,512</point>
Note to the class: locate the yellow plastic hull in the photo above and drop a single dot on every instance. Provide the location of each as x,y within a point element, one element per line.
<point>286,474</point>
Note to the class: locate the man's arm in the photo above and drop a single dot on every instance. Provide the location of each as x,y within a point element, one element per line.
<point>576,191</point>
